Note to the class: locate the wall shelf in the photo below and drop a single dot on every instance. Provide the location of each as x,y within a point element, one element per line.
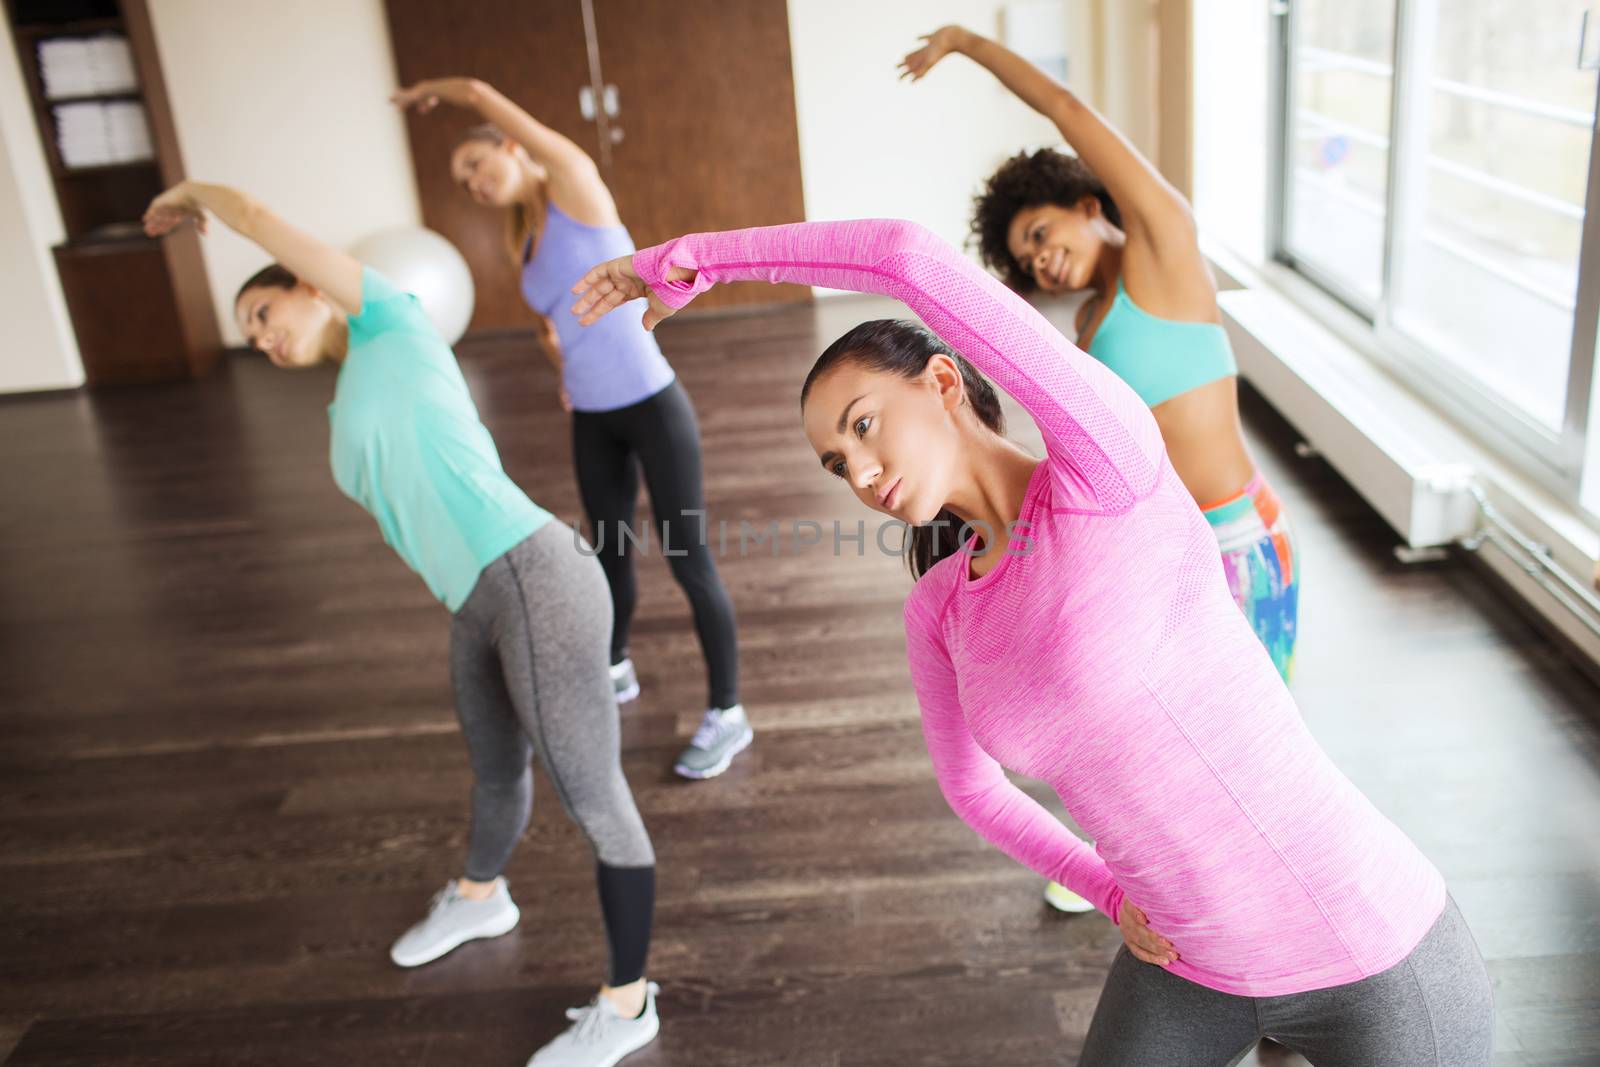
<point>141,308</point>
<point>32,31</point>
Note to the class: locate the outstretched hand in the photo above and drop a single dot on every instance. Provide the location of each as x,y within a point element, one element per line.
<point>614,283</point>
<point>426,95</point>
<point>1143,942</point>
<point>940,43</point>
<point>172,209</point>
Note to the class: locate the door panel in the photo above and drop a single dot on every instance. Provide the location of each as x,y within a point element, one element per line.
<point>706,95</point>
<point>706,109</point>
<point>531,50</point>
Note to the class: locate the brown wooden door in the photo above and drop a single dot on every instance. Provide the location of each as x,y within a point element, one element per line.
<point>706,92</point>
<point>709,141</point>
<point>531,50</point>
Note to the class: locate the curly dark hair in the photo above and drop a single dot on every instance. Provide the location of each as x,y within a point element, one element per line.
<point>1024,181</point>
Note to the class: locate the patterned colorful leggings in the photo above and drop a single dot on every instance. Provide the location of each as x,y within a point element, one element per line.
<point>1260,561</point>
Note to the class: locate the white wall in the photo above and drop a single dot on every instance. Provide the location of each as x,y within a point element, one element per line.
<point>290,104</point>
<point>872,146</point>
<point>40,351</point>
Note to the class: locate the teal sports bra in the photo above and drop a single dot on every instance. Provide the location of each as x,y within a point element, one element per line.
<point>1160,358</point>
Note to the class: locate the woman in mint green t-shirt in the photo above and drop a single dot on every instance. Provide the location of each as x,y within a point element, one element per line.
<point>531,615</point>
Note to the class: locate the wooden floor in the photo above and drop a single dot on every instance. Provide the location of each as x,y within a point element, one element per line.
<point>231,776</point>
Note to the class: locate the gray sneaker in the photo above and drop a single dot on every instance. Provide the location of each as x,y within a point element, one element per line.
<point>599,1036</point>
<point>625,680</point>
<point>723,734</point>
<point>454,920</point>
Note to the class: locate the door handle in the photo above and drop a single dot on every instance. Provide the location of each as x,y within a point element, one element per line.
<point>608,100</point>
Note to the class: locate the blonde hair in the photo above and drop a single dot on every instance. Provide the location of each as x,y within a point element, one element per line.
<point>522,222</point>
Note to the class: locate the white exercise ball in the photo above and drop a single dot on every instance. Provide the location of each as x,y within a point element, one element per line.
<point>421,262</point>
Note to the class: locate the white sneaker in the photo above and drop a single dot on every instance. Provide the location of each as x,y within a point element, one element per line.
<point>454,920</point>
<point>1061,898</point>
<point>723,734</point>
<point>625,681</point>
<point>599,1036</point>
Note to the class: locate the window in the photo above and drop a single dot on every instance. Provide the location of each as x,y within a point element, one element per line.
<point>1435,158</point>
<point>1337,144</point>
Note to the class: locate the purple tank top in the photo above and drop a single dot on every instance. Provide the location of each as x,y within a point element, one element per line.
<point>615,362</point>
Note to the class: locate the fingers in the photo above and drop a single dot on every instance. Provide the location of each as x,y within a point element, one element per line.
<point>595,276</point>
<point>595,304</point>
<point>1146,957</point>
<point>610,302</point>
<point>160,221</point>
<point>606,282</point>
<point>1151,952</point>
<point>610,285</point>
<point>407,98</point>
<point>591,293</point>
<point>1151,940</point>
<point>1159,951</point>
<point>1143,942</point>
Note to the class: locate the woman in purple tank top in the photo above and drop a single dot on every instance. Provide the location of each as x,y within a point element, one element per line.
<point>629,412</point>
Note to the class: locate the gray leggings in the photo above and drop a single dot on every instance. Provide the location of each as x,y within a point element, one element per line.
<point>1432,1009</point>
<point>530,663</point>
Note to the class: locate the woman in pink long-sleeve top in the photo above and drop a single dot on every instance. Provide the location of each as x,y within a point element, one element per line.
<point>1084,635</point>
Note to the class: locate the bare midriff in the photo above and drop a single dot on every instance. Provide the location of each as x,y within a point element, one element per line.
<point>1205,440</point>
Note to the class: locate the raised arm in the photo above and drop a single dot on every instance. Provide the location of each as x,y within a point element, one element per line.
<point>977,789</point>
<point>1152,210</point>
<point>575,183</point>
<point>318,264</point>
<point>1101,436</point>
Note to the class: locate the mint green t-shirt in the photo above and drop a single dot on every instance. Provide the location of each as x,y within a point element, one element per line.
<point>407,445</point>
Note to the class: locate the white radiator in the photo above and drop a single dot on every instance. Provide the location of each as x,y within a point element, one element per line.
<point>1355,416</point>
<point>1433,486</point>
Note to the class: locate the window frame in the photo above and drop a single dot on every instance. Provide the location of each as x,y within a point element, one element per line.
<point>1554,458</point>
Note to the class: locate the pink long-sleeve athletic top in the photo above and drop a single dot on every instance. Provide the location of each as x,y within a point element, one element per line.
<point>1110,660</point>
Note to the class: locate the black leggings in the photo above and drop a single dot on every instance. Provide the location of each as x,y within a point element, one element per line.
<point>661,434</point>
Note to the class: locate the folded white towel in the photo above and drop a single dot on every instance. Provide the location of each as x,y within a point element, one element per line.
<point>64,67</point>
<point>92,134</point>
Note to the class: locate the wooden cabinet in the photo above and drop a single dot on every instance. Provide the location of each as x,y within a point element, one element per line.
<point>141,308</point>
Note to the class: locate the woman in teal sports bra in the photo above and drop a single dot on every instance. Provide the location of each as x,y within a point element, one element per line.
<point>1107,221</point>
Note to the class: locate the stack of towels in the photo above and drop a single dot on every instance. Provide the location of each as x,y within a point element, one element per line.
<point>86,66</point>
<point>93,134</point>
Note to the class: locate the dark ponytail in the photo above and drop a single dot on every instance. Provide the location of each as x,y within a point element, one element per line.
<point>898,346</point>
